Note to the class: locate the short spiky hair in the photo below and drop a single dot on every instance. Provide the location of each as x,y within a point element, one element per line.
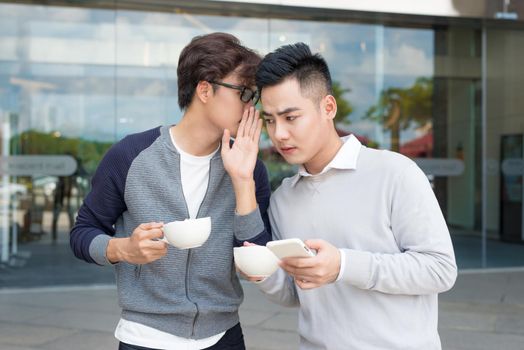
<point>296,61</point>
<point>213,57</point>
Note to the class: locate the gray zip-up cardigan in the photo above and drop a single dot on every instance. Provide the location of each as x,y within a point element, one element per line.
<point>192,293</point>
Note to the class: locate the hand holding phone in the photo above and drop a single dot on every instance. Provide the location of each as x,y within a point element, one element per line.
<point>290,248</point>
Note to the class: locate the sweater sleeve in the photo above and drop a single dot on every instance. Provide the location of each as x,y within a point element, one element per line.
<point>101,208</point>
<point>426,262</point>
<point>254,227</point>
<point>280,287</point>
<point>105,203</point>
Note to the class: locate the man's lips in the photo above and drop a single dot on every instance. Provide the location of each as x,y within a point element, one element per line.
<point>287,149</point>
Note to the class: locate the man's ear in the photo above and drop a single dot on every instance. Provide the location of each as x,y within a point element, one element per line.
<point>328,107</point>
<point>204,91</point>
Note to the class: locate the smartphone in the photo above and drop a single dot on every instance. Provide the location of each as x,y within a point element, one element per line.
<point>290,248</point>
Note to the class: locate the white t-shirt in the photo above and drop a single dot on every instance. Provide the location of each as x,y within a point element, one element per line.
<point>194,173</point>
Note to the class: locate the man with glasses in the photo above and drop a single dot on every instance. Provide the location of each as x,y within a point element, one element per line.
<point>172,298</point>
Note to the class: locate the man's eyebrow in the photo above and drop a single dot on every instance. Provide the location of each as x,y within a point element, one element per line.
<point>285,111</point>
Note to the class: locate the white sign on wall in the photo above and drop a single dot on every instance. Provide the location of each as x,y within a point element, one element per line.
<point>440,166</point>
<point>60,165</point>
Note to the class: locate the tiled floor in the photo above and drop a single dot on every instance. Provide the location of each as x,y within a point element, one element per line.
<point>482,312</point>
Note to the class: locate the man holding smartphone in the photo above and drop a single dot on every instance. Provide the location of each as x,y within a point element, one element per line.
<point>383,249</point>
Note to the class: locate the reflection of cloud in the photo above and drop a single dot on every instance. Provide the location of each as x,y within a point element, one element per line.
<point>408,60</point>
<point>69,14</point>
<point>290,37</point>
<point>405,60</point>
<point>362,93</point>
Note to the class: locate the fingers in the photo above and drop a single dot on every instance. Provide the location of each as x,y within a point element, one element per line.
<point>303,274</point>
<point>241,128</point>
<point>150,234</point>
<point>225,141</point>
<point>156,241</point>
<point>300,263</point>
<point>308,273</point>
<point>143,246</point>
<point>305,284</point>
<point>152,250</point>
<point>309,278</point>
<point>248,244</point>
<point>315,244</point>
<point>250,124</point>
<point>258,129</point>
<point>315,271</point>
<point>150,225</point>
<point>149,230</point>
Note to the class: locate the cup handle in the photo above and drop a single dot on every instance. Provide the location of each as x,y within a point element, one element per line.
<point>163,239</point>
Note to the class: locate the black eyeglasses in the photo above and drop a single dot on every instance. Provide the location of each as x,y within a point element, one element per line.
<point>246,94</point>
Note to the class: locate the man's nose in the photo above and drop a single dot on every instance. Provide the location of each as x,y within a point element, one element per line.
<point>281,132</point>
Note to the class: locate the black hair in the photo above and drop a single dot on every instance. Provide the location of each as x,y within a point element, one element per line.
<point>296,61</point>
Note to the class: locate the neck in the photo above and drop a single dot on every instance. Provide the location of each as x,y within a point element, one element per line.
<point>325,155</point>
<point>195,135</point>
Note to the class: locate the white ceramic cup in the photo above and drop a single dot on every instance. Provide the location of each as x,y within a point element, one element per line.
<point>190,233</point>
<point>255,260</point>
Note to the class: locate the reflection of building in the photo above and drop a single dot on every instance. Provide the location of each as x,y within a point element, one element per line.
<point>421,147</point>
<point>83,77</point>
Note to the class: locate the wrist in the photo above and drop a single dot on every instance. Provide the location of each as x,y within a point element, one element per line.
<point>246,200</point>
<point>114,250</point>
<point>243,184</point>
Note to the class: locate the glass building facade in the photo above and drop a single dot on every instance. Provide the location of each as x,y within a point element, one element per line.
<point>74,80</point>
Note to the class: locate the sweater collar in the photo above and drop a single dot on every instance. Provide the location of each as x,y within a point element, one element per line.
<point>346,159</point>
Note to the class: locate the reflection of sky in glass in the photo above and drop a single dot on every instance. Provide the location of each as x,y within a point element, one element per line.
<point>69,64</point>
<point>353,56</point>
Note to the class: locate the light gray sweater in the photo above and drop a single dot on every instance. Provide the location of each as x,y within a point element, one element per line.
<point>379,209</point>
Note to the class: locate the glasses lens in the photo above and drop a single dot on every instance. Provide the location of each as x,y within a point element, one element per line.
<point>246,95</point>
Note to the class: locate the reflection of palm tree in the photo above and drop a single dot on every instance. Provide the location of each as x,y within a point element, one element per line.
<point>398,108</point>
<point>392,123</point>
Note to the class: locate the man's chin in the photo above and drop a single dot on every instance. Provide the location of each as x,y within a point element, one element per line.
<point>293,160</point>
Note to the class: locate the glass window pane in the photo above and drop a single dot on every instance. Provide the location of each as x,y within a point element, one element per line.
<point>505,148</point>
